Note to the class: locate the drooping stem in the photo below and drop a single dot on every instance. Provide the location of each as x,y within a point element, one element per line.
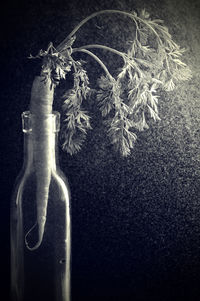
<point>100,47</point>
<point>96,59</point>
<point>111,11</point>
<point>121,54</point>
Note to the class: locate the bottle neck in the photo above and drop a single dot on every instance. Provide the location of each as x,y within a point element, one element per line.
<point>32,154</point>
<point>40,141</point>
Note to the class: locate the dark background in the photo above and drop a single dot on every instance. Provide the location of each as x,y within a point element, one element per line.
<point>135,220</point>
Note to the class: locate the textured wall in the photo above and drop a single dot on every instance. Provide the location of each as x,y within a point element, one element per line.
<point>136,220</point>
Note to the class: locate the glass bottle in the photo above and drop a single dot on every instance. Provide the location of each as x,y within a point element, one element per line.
<point>40,271</point>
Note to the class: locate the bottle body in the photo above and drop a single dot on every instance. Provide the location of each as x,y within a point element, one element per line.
<point>40,271</point>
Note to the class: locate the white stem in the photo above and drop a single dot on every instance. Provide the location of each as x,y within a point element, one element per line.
<point>96,59</point>
<point>108,11</point>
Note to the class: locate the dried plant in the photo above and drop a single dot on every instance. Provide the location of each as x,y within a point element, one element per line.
<point>151,63</point>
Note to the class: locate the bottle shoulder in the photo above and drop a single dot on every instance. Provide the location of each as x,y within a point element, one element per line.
<point>27,184</point>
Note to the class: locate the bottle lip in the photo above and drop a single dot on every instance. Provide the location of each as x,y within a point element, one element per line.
<point>28,117</point>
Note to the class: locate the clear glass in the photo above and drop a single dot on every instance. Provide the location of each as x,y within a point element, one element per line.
<point>43,272</point>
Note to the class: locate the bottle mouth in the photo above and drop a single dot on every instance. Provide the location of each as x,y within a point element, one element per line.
<point>28,118</point>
